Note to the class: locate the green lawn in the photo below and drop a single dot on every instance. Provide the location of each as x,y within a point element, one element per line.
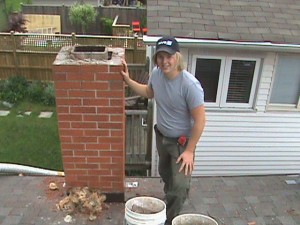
<point>30,140</point>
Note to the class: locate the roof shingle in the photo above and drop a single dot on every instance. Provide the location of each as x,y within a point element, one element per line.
<point>239,20</point>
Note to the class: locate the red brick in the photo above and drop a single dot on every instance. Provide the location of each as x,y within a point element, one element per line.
<point>103,85</point>
<point>67,85</point>
<point>105,183</point>
<point>84,139</point>
<point>82,125</point>
<point>65,139</point>
<point>87,166</point>
<point>116,85</point>
<point>82,109</point>
<point>68,166</point>
<point>82,93</point>
<point>98,117</point>
<point>86,153</point>
<point>88,178</point>
<point>116,69</point>
<point>61,93</point>
<point>96,102</point>
<point>91,114</point>
<point>118,160</point>
<point>98,146</point>
<point>116,102</point>
<point>67,152</point>
<point>60,76</point>
<point>99,172</point>
<point>76,160</point>
<point>96,133</point>
<point>71,132</point>
<point>71,146</point>
<point>110,110</point>
<point>118,146</point>
<point>95,68</point>
<point>65,68</point>
<point>108,76</point>
<point>64,124</point>
<point>77,172</point>
<point>69,117</point>
<point>117,118</point>
<point>62,109</point>
<point>94,184</point>
<point>68,102</point>
<point>100,160</point>
<point>78,76</point>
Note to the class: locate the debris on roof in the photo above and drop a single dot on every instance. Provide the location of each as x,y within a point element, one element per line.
<point>83,200</point>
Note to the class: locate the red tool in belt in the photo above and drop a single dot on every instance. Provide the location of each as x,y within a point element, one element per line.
<point>182,140</point>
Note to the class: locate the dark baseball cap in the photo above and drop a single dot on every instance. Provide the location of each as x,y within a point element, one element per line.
<point>167,44</point>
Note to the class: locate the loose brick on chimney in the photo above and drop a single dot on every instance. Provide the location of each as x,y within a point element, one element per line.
<point>91,117</point>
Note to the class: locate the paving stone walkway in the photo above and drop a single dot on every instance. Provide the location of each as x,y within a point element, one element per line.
<point>27,113</point>
<point>243,200</point>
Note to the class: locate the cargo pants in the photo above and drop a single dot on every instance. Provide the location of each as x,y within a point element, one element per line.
<point>176,185</point>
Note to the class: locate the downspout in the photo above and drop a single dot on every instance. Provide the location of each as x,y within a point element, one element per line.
<point>6,168</point>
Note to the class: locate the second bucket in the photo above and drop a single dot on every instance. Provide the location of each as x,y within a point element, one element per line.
<point>194,219</point>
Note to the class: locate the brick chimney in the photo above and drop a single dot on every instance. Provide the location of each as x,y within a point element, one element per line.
<point>91,117</point>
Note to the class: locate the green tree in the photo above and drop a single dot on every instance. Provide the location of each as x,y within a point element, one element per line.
<point>13,6</point>
<point>7,7</point>
<point>107,25</point>
<point>82,15</point>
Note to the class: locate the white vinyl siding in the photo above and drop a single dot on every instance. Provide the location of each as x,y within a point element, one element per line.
<point>249,144</point>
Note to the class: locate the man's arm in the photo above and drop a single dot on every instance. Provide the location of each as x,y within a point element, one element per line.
<point>141,89</point>
<point>187,157</point>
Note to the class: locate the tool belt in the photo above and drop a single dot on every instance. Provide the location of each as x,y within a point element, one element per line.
<point>182,140</point>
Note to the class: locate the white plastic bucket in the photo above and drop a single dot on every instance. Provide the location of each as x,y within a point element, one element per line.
<point>145,211</point>
<point>193,219</point>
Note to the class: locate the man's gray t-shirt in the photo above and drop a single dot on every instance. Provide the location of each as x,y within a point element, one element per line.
<point>175,99</point>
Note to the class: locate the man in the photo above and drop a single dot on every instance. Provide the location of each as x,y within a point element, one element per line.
<point>180,119</point>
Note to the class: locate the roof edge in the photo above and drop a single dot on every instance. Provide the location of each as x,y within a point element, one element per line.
<point>192,42</point>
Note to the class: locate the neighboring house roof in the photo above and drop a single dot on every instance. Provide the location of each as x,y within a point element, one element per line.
<point>237,20</point>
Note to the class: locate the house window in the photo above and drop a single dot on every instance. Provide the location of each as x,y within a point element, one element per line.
<point>286,85</point>
<point>227,82</point>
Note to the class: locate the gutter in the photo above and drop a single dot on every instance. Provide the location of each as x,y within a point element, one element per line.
<point>262,46</point>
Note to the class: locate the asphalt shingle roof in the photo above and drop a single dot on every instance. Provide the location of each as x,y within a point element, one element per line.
<point>275,21</point>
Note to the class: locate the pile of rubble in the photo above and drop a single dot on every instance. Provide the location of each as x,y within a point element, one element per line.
<point>83,200</point>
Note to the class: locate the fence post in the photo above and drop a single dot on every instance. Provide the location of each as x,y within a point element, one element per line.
<point>135,48</point>
<point>73,39</point>
<point>12,34</point>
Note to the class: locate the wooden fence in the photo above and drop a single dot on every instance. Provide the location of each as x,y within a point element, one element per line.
<point>32,55</point>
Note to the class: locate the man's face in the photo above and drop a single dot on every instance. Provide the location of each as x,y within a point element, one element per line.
<point>167,63</point>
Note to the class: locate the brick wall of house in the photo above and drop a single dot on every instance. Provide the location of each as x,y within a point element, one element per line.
<point>91,118</point>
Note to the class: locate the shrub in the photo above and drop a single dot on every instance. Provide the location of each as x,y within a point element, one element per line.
<point>35,91</point>
<point>14,89</point>
<point>107,25</point>
<point>83,15</point>
<point>49,95</point>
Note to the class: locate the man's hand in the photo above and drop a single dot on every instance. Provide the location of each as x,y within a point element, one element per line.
<point>125,72</point>
<point>187,158</point>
